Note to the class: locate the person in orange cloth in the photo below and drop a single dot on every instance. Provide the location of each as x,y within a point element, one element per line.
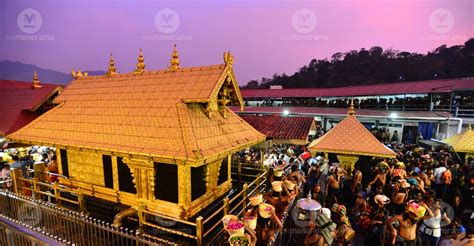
<point>402,228</point>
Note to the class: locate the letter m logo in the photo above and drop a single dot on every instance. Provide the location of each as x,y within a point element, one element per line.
<point>29,20</point>
<point>167,19</point>
<point>304,19</point>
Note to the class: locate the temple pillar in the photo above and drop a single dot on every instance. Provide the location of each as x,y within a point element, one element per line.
<point>184,186</point>
<point>348,162</point>
<point>115,176</point>
<point>213,174</point>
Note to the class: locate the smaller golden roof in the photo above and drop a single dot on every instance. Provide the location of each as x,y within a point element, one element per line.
<point>463,142</point>
<point>352,138</point>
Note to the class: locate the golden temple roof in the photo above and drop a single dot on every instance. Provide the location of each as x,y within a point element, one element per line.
<point>463,142</point>
<point>158,113</point>
<point>352,138</point>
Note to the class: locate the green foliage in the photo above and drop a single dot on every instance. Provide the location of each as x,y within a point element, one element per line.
<point>378,66</point>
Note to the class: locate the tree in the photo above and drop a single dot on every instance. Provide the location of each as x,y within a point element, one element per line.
<point>376,65</point>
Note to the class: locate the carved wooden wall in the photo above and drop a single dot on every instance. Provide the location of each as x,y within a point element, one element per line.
<point>86,166</point>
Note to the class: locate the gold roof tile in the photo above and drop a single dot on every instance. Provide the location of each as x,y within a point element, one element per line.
<point>463,142</point>
<point>351,137</point>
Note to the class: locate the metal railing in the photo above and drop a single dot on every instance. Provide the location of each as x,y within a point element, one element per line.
<point>246,171</point>
<point>65,226</point>
<point>235,205</point>
<point>38,188</point>
<point>456,111</point>
<point>59,221</point>
<point>11,235</point>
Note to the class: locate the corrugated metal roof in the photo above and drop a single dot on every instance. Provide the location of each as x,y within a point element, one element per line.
<point>318,111</point>
<point>18,100</point>
<point>274,126</point>
<point>419,87</point>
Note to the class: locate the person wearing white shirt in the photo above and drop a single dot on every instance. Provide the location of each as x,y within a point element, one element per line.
<point>438,173</point>
<point>439,185</point>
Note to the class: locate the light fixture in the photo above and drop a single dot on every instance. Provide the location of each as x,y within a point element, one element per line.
<point>393,115</point>
<point>286,112</point>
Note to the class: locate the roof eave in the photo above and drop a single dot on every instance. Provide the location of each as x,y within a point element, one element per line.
<point>40,103</point>
<point>350,152</point>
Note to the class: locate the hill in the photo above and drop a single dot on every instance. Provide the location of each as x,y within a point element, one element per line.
<point>375,65</point>
<point>12,70</point>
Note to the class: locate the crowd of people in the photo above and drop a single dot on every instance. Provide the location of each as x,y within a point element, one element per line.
<point>369,103</point>
<point>384,103</point>
<point>421,197</point>
<point>24,159</point>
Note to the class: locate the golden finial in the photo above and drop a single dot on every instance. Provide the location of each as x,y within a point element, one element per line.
<point>78,74</point>
<point>36,83</point>
<point>140,64</point>
<point>351,108</point>
<point>469,127</point>
<point>174,60</point>
<point>112,68</point>
<point>228,58</point>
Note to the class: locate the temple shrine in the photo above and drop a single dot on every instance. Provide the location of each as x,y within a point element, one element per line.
<point>463,142</point>
<point>349,140</point>
<point>158,139</point>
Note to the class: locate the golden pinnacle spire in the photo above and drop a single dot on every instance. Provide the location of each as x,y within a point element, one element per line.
<point>78,74</point>
<point>469,127</point>
<point>35,83</point>
<point>174,60</point>
<point>228,58</point>
<point>112,68</point>
<point>140,64</point>
<point>351,108</point>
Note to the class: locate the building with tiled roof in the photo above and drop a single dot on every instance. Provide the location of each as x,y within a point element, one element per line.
<point>22,102</point>
<point>148,135</point>
<point>281,129</point>
<point>349,139</point>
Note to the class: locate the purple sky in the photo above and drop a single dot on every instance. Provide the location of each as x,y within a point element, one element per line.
<point>260,34</point>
